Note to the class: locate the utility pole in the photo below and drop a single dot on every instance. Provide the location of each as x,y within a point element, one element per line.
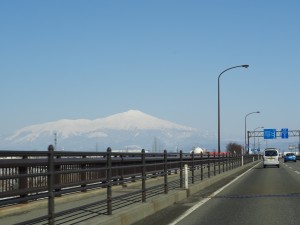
<point>55,141</point>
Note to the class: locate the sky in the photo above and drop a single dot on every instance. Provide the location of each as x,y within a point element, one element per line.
<point>76,59</point>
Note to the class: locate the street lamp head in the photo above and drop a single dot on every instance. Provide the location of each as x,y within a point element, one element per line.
<point>258,112</point>
<point>246,66</point>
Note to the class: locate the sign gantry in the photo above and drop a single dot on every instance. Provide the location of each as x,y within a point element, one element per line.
<point>284,133</point>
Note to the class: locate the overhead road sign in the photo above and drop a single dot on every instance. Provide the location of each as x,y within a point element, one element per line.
<point>269,133</point>
<point>284,133</point>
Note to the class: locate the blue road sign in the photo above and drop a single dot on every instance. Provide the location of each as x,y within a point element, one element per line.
<point>284,133</point>
<point>269,133</point>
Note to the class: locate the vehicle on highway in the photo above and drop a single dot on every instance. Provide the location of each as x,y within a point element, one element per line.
<point>271,157</point>
<point>290,157</point>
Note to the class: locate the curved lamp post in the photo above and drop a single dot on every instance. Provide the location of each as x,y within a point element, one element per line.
<point>219,138</point>
<point>246,128</point>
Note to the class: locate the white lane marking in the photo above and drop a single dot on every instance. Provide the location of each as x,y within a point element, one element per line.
<point>199,204</point>
<point>297,172</point>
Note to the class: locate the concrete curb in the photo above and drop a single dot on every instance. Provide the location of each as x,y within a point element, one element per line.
<point>140,211</point>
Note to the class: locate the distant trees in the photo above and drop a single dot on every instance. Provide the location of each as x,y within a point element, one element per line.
<point>234,148</point>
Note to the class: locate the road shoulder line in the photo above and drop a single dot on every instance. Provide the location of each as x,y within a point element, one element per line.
<point>192,209</point>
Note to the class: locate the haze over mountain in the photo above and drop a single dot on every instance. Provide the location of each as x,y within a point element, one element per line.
<point>128,130</point>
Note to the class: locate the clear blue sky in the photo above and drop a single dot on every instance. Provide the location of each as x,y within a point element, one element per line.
<point>91,59</point>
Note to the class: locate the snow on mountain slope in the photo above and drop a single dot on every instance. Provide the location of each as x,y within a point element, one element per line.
<point>131,120</point>
<point>134,119</point>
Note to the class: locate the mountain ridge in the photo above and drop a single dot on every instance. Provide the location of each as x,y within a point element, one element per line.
<point>122,129</point>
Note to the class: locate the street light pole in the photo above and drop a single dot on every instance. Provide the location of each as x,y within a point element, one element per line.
<point>246,128</point>
<point>219,136</point>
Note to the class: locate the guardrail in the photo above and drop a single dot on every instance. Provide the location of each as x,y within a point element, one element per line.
<point>28,176</point>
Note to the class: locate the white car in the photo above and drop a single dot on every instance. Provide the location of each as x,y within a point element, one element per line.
<point>271,157</point>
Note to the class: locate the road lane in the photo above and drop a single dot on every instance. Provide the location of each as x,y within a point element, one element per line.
<point>262,196</point>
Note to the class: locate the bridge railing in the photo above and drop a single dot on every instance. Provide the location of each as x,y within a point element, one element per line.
<point>28,176</point>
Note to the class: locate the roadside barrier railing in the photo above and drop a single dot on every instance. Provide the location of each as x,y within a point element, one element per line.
<point>33,175</point>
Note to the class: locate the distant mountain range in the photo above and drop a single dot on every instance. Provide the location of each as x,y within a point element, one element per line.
<point>128,130</point>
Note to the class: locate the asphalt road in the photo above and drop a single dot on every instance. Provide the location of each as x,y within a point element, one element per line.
<point>267,196</point>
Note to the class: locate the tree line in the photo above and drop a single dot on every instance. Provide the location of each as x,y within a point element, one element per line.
<point>234,148</point>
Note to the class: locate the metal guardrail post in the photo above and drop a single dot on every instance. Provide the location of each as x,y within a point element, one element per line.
<point>228,162</point>
<point>181,170</point>
<point>51,216</point>
<point>208,166</point>
<point>83,175</point>
<point>109,182</point>
<point>57,177</point>
<point>201,165</point>
<point>193,167</point>
<point>219,162</point>
<point>165,172</point>
<point>143,176</point>
<point>214,163</point>
<point>235,160</point>
<point>23,181</point>
<point>223,162</point>
<point>122,171</point>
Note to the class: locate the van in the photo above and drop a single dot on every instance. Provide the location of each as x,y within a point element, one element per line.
<point>271,157</point>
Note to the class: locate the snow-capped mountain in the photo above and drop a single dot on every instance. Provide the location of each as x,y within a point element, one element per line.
<point>131,128</point>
